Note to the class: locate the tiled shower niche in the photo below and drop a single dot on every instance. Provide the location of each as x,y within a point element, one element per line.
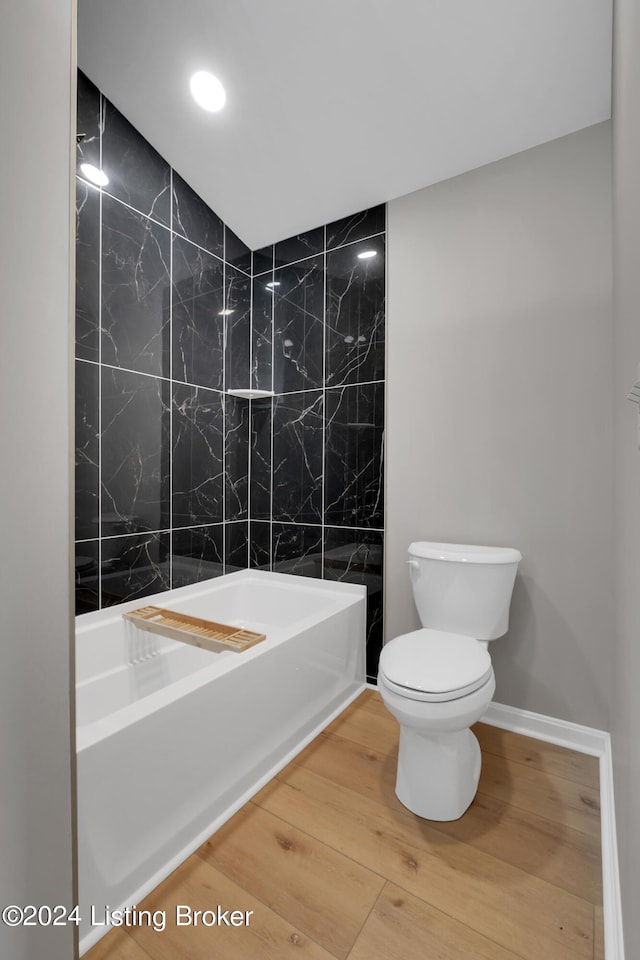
<point>176,480</point>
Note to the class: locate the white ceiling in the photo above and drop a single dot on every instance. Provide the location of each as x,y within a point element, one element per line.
<point>336,105</point>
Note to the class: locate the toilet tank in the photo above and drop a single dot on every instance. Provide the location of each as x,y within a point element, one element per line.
<point>462,588</point>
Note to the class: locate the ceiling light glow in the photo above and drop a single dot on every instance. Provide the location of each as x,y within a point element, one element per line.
<point>272,284</point>
<point>94,174</point>
<point>226,313</point>
<point>207,91</point>
<point>367,254</point>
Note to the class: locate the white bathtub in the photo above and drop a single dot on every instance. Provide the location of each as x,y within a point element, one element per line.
<point>172,739</point>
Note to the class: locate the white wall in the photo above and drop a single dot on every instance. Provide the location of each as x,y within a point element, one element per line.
<point>499,405</point>
<point>36,836</point>
<point>626,712</point>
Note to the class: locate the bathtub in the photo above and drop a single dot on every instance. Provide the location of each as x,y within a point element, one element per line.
<point>173,739</point>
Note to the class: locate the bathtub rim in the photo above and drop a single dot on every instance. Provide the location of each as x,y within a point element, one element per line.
<point>92,732</point>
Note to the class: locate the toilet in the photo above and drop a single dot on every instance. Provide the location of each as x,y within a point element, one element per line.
<point>438,681</point>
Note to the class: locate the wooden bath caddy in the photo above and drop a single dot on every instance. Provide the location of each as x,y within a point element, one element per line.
<point>201,633</point>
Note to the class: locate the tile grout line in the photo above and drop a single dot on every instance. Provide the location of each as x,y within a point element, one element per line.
<point>324,394</point>
<point>101,114</point>
<point>273,401</point>
<point>250,440</point>
<point>224,400</point>
<point>171,381</point>
<point>159,223</point>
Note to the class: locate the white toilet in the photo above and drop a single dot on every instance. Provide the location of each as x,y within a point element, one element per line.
<point>438,681</point>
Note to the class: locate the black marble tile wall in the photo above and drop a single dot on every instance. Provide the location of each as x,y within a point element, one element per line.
<point>316,470</point>
<point>197,554</point>
<point>135,452</point>
<point>163,327</point>
<point>354,493</point>
<point>357,556</point>
<point>298,327</point>
<point>178,481</point>
<point>238,328</point>
<point>135,290</point>
<point>87,485</point>
<point>87,272</point>
<point>297,457</point>
<point>260,545</point>
<point>260,464</point>
<point>236,546</point>
<point>355,313</point>
<point>133,566</point>
<point>236,458</point>
<point>198,320</point>
<point>197,430</point>
<point>262,332</point>
<point>137,173</point>
<point>297,549</point>
<point>195,220</point>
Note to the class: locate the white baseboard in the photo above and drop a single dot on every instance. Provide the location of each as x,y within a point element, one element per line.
<point>597,743</point>
<point>571,735</point>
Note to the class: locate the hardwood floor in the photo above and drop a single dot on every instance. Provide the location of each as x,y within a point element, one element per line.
<point>335,868</point>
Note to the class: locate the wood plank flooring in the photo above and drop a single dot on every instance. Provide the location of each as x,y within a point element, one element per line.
<point>335,868</point>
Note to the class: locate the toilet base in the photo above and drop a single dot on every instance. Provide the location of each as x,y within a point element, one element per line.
<point>437,773</point>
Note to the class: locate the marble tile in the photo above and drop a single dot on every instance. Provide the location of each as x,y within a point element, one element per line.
<point>355,340</point>
<point>135,290</point>
<point>354,494</point>
<point>135,453</point>
<point>236,430</point>
<point>87,458</point>
<point>298,326</point>
<point>262,260</point>
<point>194,219</point>
<point>197,434</point>
<point>297,549</point>
<point>137,173</point>
<point>238,329</point>
<point>259,545</point>
<point>89,123</point>
<point>134,566</point>
<point>236,252</point>
<point>196,554</point>
<point>262,329</point>
<point>260,459</point>
<point>87,272</point>
<point>297,248</point>
<point>87,576</point>
<point>297,457</point>
<point>366,223</point>
<point>236,546</point>
<point>198,323</point>
<point>357,556</point>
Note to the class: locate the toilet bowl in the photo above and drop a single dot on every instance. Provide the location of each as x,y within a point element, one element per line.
<point>436,681</point>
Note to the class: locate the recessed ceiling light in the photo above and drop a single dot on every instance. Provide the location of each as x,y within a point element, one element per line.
<point>207,91</point>
<point>272,284</point>
<point>94,174</point>
<point>367,254</point>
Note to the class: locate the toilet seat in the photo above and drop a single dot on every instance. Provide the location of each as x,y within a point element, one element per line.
<point>433,666</point>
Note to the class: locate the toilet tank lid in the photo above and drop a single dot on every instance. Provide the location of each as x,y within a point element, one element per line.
<point>463,552</point>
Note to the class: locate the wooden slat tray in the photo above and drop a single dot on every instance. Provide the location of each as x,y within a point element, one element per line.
<point>201,633</point>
